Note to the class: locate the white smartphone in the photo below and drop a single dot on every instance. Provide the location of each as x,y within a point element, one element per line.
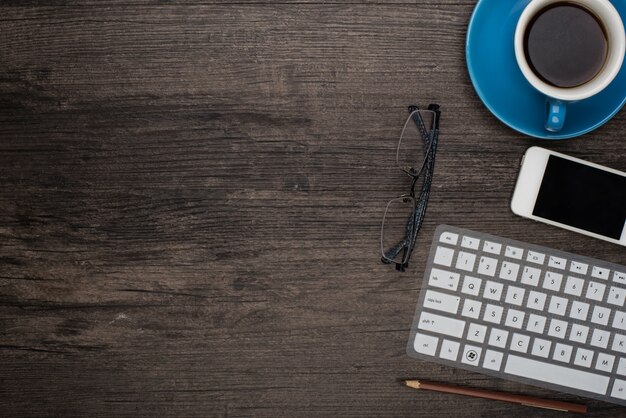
<point>573,194</point>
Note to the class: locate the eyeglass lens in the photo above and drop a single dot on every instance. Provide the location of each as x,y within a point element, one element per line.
<point>414,141</point>
<point>397,229</point>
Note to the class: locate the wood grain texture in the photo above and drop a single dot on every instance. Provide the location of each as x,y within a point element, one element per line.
<point>191,202</point>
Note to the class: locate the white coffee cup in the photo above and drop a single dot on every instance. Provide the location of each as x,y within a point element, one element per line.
<point>558,97</point>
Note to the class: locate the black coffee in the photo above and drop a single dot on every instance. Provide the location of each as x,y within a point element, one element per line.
<point>565,45</point>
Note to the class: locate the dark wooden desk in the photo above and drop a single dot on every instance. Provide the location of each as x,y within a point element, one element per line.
<point>191,202</point>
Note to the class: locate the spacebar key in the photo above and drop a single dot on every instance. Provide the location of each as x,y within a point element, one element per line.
<point>558,375</point>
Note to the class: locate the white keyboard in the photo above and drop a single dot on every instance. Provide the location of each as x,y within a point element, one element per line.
<point>523,312</point>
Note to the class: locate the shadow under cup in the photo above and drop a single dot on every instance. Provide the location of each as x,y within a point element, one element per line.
<point>569,51</point>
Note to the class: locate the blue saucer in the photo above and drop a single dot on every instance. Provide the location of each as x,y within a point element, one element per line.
<point>504,90</point>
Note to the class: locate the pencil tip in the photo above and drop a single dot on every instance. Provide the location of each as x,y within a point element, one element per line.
<point>415,384</point>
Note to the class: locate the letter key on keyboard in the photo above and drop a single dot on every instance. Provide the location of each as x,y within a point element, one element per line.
<point>523,312</point>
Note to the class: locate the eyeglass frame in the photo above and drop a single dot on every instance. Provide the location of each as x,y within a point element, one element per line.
<point>414,223</point>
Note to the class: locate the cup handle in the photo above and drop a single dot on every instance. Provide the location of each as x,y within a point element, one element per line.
<point>556,115</point>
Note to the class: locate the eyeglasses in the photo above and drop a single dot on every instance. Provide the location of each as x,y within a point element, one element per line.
<point>415,156</point>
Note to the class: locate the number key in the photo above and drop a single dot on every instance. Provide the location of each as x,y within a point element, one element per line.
<point>509,271</point>
<point>574,286</point>
<point>552,281</point>
<point>465,261</point>
<point>595,291</point>
<point>530,276</point>
<point>616,296</point>
<point>487,266</point>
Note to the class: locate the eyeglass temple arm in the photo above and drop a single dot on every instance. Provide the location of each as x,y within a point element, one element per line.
<point>422,201</point>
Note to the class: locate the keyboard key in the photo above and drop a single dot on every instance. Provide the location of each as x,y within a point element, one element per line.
<point>536,323</point>
<point>583,357</point>
<point>465,261</point>
<point>498,337</point>
<point>536,300</point>
<point>444,256</point>
<point>557,328</point>
<point>441,301</point>
<point>449,238</point>
<point>493,360</point>
<point>509,271</point>
<point>515,295</point>
<point>493,314</point>
<point>519,342</point>
<point>558,305</point>
<point>616,296</point>
<point>562,352</point>
<point>574,286</point>
<point>471,285</point>
<point>449,350</point>
<point>471,355</point>
<point>492,247</point>
<point>578,333</point>
<point>579,310</point>
<point>605,362</point>
<point>558,375</point>
<point>425,344</point>
<point>541,347</point>
<point>493,290</point>
<point>595,291</point>
<point>444,279</point>
<point>619,277</point>
<point>578,267</point>
<point>514,318</point>
<point>438,324</point>
<point>471,308</point>
<point>552,281</point>
<point>476,333</point>
<point>619,343</point>
<point>469,242</point>
<point>557,262</point>
<point>530,276</point>
<point>600,338</point>
<point>535,257</point>
<point>600,315</point>
<point>619,389</point>
<point>619,320</point>
<point>600,273</point>
<point>513,252</point>
<point>487,266</point>
<point>621,367</point>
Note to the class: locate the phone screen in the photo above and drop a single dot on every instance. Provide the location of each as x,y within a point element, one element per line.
<point>583,197</point>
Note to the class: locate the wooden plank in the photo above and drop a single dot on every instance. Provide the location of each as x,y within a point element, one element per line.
<point>192,198</point>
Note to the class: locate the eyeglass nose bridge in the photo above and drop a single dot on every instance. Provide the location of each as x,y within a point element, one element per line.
<point>411,171</point>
